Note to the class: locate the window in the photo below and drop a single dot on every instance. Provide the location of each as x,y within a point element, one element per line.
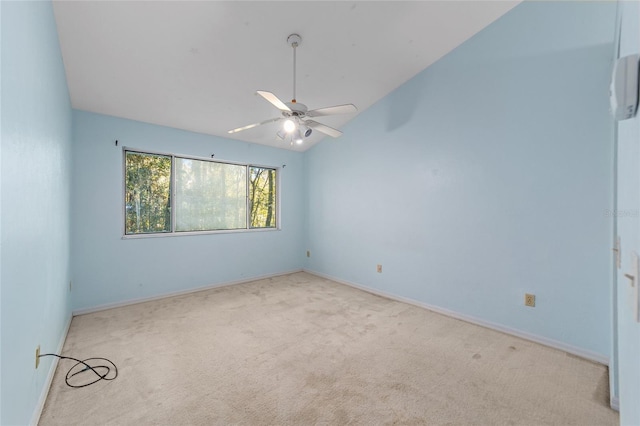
<point>170,194</point>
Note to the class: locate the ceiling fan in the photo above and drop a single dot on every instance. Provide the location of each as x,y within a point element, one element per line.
<point>297,123</point>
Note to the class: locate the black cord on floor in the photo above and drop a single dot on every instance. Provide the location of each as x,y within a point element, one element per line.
<point>79,363</point>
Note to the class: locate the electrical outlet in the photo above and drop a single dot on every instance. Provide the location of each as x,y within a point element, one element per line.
<point>379,269</point>
<point>308,253</point>
<point>530,300</point>
<point>37,356</point>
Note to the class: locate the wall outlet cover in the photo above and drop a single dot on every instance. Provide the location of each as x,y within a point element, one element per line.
<point>530,300</point>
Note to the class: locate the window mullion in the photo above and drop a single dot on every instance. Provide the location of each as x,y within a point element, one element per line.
<point>172,205</point>
<point>247,189</point>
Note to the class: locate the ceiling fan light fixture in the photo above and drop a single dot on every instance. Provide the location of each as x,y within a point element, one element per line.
<point>289,126</point>
<point>296,125</point>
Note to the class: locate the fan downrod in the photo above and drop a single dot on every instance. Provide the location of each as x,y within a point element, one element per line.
<point>294,41</point>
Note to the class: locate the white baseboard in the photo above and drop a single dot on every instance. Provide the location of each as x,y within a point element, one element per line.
<point>105,306</point>
<point>583,353</point>
<point>615,403</point>
<point>35,418</point>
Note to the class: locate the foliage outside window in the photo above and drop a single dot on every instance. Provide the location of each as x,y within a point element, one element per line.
<point>202,195</point>
<point>262,197</point>
<point>147,199</point>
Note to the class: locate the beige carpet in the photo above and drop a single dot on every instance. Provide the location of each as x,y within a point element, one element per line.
<point>302,350</point>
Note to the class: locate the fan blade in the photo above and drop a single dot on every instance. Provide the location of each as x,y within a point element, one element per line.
<point>323,129</point>
<point>251,126</point>
<point>274,100</point>
<point>338,109</point>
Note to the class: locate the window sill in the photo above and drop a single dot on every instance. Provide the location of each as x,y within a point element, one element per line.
<point>194,233</point>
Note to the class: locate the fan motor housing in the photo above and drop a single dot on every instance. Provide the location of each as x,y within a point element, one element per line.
<point>297,110</point>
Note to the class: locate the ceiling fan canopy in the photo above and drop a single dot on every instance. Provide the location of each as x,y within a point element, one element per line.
<point>297,124</point>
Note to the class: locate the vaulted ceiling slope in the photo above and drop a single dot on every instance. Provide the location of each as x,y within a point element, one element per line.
<point>196,65</point>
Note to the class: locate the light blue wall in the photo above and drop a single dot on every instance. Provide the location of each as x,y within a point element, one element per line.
<point>36,164</point>
<point>108,269</point>
<point>628,228</point>
<point>486,176</point>
<point>0,214</point>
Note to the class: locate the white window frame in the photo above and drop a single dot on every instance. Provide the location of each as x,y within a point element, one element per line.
<point>173,232</point>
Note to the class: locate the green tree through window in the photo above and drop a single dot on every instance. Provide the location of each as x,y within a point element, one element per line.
<point>148,193</point>
<point>262,197</point>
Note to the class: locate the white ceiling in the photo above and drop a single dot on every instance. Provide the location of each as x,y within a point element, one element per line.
<point>196,65</point>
